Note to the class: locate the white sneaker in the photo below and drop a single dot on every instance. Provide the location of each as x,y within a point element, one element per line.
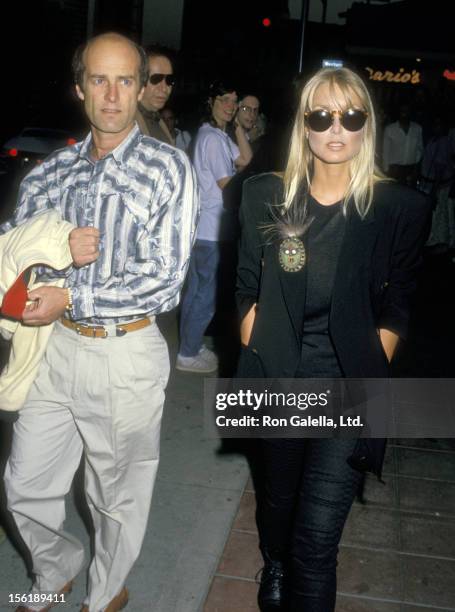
<point>196,364</point>
<point>208,356</point>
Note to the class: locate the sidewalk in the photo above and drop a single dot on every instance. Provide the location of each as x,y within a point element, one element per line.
<point>196,498</point>
<point>398,549</point>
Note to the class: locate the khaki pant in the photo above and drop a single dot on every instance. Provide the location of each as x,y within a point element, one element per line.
<point>102,398</point>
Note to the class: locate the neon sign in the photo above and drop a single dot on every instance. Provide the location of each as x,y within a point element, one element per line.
<point>450,76</point>
<point>401,76</point>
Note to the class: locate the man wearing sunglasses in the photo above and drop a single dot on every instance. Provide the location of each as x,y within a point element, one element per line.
<point>156,93</point>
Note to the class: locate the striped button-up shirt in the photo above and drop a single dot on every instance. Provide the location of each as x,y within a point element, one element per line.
<point>142,197</point>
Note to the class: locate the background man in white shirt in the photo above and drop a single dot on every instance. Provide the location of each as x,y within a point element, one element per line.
<point>402,148</point>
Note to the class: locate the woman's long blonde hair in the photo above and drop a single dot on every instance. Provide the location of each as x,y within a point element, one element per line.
<point>363,172</point>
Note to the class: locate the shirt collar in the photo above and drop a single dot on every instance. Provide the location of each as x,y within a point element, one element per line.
<point>215,127</point>
<point>121,153</point>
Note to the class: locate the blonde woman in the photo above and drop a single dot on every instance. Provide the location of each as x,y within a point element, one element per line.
<point>327,264</point>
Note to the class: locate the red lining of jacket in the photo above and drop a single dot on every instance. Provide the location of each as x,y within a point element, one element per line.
<point>15,299</point>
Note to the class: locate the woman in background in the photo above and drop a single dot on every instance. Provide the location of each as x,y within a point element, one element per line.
<point>216,159</point>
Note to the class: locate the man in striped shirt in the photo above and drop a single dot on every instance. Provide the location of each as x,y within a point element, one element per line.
<point>100,388</point>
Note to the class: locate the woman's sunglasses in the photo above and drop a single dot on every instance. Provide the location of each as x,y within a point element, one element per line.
<point>158,77</point>
<point>320,120</point>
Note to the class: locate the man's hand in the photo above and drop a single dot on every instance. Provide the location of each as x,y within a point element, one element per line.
<point>49,303</point>
<point>84,243</point>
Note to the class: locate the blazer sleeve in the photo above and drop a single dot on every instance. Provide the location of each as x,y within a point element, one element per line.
<point>253,212</point>
<point>410,233</point>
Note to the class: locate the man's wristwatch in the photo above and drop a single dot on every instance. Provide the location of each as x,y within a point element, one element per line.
<point>69,306</point>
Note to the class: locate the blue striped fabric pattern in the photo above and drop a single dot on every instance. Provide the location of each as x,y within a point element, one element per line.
<point>143,198</point>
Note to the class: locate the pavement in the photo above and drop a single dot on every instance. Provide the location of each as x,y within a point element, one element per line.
<point>196,498</point>
<point>397,553</point>
<point>200,553</point>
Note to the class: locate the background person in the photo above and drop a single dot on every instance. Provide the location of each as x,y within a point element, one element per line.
<point>249,117</point>
<point>436,177</point>
<point>216,159</point>
<point>335,310</point>
<point>181,138</point>
<point>157,91</point>
<point>402,148</point>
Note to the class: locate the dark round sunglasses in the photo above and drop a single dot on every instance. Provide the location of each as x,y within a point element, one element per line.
<point>320,120</point>
<point>158,77</point>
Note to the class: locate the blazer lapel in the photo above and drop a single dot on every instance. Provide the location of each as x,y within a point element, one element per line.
<point>293,287</point>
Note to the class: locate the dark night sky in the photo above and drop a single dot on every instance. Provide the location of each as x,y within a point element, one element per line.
<point>41,36</point>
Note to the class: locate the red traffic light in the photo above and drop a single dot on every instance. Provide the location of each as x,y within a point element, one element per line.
<point>266,22</point>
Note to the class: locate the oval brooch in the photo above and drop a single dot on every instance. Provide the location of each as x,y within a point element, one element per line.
<point>292,254</point>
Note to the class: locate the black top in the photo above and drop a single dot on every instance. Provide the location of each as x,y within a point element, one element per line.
<point>322,243</point>
<point>375,276</point>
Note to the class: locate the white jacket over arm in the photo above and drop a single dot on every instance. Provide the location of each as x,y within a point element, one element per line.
<point>43,239</point>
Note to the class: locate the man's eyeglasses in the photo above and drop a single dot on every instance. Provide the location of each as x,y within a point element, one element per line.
<point>320,120</point>
<point>158,77</point>
<point>249,109</point>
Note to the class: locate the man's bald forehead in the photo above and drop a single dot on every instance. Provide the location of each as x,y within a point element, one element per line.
<point>79,58</point>
<point>113,37</point>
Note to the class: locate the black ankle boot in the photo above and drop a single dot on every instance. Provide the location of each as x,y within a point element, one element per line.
<point>271,589</point>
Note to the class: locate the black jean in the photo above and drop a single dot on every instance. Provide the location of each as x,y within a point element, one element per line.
<point>308,492</point>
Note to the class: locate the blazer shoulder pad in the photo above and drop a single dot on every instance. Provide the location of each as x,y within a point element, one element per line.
<point>266,188</point>
<point>393,197</point>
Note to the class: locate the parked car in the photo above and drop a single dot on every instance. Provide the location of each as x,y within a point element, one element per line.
<point>21,153</point>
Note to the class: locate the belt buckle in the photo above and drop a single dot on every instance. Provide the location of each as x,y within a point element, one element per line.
<point>92,329</point>
<point>108,330</point>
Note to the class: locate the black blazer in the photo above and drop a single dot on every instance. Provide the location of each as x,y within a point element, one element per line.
<point>374,281</point>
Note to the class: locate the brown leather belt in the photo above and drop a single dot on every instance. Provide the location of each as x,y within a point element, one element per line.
<point>98,331</point>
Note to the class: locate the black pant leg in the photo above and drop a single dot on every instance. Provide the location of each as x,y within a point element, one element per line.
<point>282,467</point>
<point>327,489</point>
